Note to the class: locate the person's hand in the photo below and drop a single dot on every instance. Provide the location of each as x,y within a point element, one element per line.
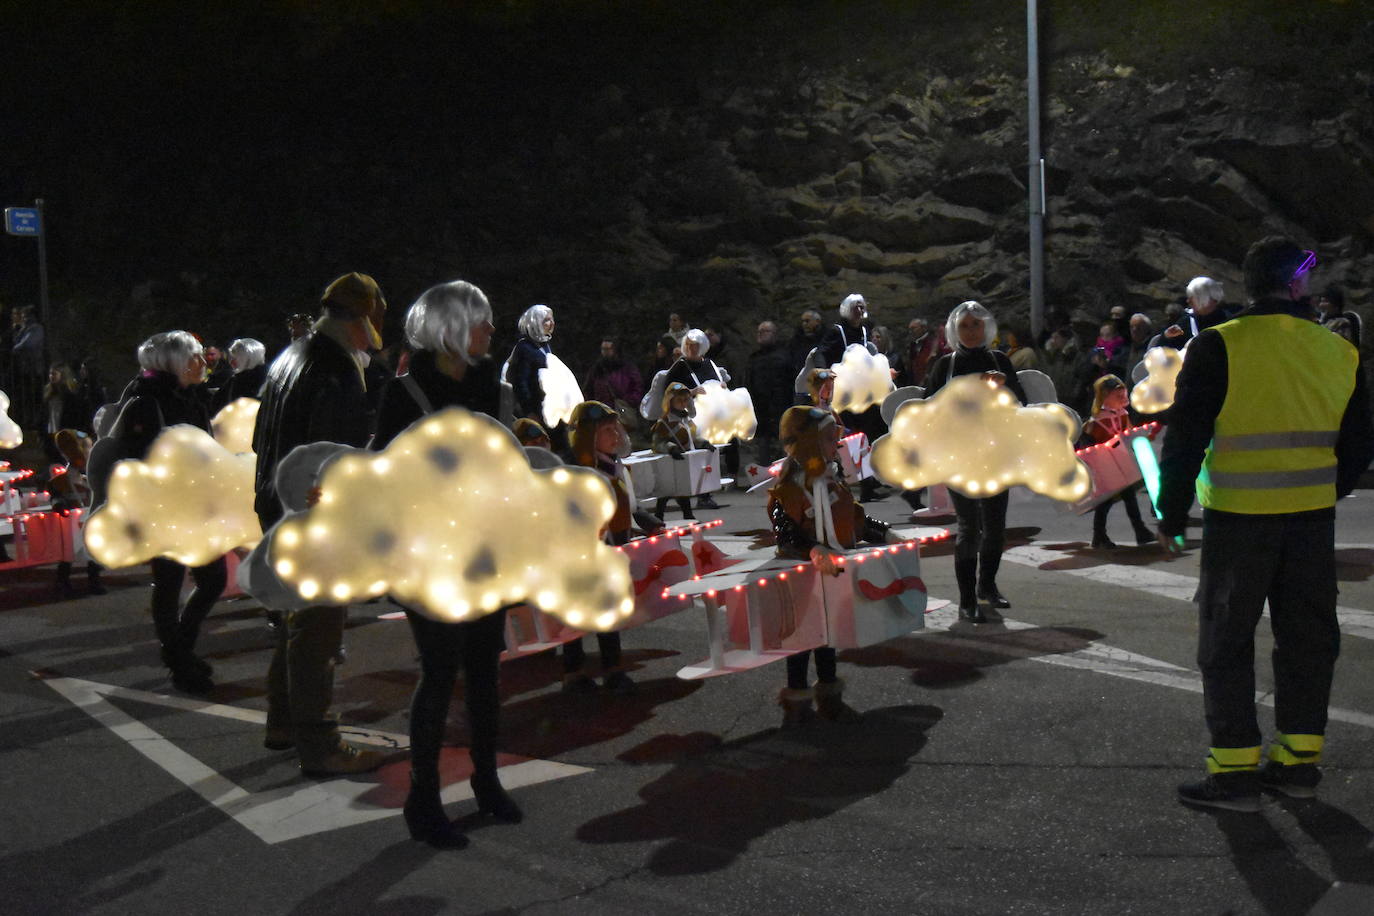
<point>1173,332</point>
<point>1171,543</point>
<point>675,452</point>
<point>312,498</point>
<point>825,561</point>
<point>995,376</point>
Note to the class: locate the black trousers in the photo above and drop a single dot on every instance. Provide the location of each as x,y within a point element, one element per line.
<point>1288,560</point>
<point>444,648</point>
<point>1127,499</point>
<point>978,542</point>
<point>177,627</point>
<point>825,667</point>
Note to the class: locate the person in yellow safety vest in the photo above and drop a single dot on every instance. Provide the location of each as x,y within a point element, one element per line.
<point>1271,421</point>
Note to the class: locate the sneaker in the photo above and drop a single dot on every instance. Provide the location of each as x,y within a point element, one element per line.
<point>1228,791</point>
<point>344,760</point>
<point>1298,780</point>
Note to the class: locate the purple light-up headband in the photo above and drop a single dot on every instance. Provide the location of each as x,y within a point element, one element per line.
<point>1307,264</point>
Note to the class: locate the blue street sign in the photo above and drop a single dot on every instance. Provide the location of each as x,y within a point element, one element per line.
<point>21,220</point>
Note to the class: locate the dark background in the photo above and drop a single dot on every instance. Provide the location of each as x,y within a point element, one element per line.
<point>213,168</point>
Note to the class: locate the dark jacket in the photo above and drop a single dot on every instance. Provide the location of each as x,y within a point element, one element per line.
<point>522,372</point>
<point>972,362</point>
<point>313,393</point>
<point>479,391</point>
<point>245,384</point>
<point>1198,398</point>
<point>837,339</point>
<point>691,372</point>
<point>770,378</point>
<point>1193,325</point>
<point>151,402</point>
<point>800,346</point>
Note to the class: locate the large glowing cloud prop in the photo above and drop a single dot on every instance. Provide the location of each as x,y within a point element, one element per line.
<point>861,380</point>
<point>233,425</point>
<point>1155,392</point>
<point>561,391</point>
<point>974,437</point>
<point>11,436</point>
<point>451,520</point>
<point>190,500</point>
<point>723,413</point>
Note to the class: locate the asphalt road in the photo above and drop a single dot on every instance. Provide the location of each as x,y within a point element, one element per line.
<point>1025,766</point>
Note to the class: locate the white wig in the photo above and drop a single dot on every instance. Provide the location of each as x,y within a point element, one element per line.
<point>1204,288</point>
<point>698,336</point>
<point>169,351</point>
<point>247,353</point>
<point>847,306</point>
<point>971,307</point>
<point>442,319</point>
<point>532,323</point>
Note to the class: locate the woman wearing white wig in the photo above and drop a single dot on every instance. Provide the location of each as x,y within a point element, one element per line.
<point>172,364</point>
<point>248,359</point>
<point>692,370</point>
<point>970,331</point>
<point>530,354</point>
<point>450,329</point>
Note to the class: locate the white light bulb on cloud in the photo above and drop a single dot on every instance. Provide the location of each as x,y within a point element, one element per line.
<point>724,413</point>
<point>861,379</point>
<point>233,425</point>
<point>189,500</point>
<point>1155,392</point>
<point>561,391</point>
<point>974,437</point>
<point>11,436</point>
<point>450,519</point>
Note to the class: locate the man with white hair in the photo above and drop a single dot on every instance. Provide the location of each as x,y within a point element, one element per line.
<point>1205,310</point>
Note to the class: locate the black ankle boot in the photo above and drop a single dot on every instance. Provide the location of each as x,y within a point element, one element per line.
<point>93,584</point>
<point>989,593</point>
<point>1144,537</point>
<point>425,818</point>
<point>1102,542</point>
<point>492,800</point>
<point>64,580</point>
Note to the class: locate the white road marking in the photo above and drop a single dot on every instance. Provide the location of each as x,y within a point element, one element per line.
<point>281,814</point>
<point>1354,622</point>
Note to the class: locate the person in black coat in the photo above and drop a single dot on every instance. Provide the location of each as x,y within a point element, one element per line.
<point>161,396</point>
<point>769,378</point>
<point>837,339</point>
<point>247,357</point>
<point>315,392</point>
<point>693,370</point>
<point>978,544</point>
<point>450,328</point>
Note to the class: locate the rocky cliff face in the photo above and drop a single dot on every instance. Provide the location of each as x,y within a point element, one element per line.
<point>751,168</point>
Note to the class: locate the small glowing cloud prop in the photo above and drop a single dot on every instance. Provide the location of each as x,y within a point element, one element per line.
<point>861,380</point>
<point>450,519</point>
<point>11,436</point>
<point>233,425</point>
<point>190,500</point>
<point>1155,392</point>
<point>561,392</point>
<point>974,437</point>
<point>723,413</point>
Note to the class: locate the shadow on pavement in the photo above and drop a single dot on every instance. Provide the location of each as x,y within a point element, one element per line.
<point>956,658</point>
<point>362,890</point>
<point>1354,564</point>
<point>1079,555</point>
<point>713,805</point>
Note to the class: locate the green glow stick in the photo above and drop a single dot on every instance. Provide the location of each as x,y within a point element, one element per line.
<point>1149,471</point>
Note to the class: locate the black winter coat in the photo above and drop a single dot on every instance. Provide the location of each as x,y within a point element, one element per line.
<point>313,393</point>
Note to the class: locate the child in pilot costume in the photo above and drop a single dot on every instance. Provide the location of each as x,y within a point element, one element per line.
<point>597,440</point>
<point>674,434</point>
<point>815,517</point>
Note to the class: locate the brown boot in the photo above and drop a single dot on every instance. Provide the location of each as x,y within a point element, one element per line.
<point>830,703</point>
<point>796,707</point>
<point>344,760</point>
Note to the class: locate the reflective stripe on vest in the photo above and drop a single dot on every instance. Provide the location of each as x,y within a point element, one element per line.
<point>1273,451</point>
